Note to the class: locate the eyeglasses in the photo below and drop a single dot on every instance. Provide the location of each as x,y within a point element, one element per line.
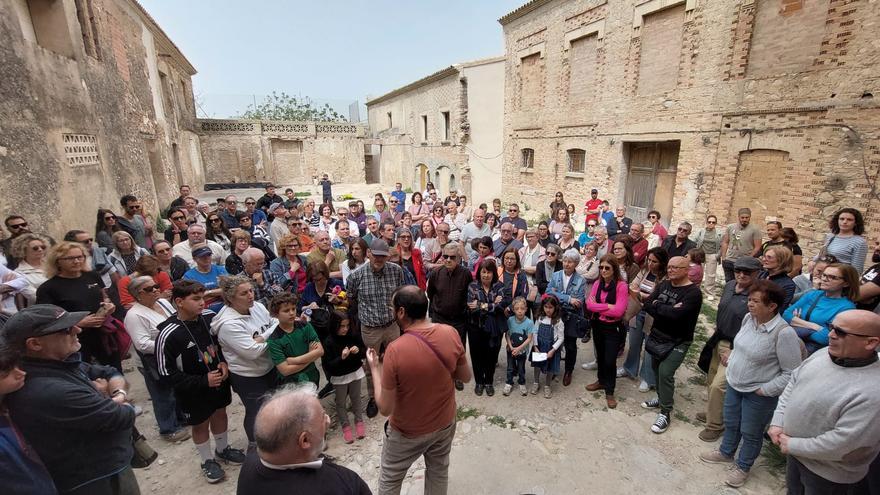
<point>178,217</point>
<point>843,333</point>
<point>18,225</point>
<point>826,276</point>
<point>250,202</point>
<point>215,220</point>
<point>38,248</point>
<point>713,222</point>
<point>151,288</point>
<point>73,258</point>
<point>449,257</point>
<point>110,217</point>
<point>394,202</point>
<point>87,241</point>
<point>231,202</point>
<point>591,225</point>
<point>551,253</point>
<point>684,230</point>
<point>605,267</point>
<point>163,251</point>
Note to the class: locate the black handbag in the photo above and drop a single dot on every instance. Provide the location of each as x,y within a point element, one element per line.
<point>660,345</point>
<point>576,325</point>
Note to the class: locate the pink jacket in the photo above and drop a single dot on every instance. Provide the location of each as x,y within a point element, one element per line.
<point>608,313</point>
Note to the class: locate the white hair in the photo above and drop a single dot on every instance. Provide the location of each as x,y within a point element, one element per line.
<point>572,255</point>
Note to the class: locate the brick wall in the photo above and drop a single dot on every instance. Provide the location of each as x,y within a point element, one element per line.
<point>660,50</point>
<point>787,36</point>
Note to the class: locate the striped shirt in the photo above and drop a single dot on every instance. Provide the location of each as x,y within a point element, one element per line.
<point>850,250</point>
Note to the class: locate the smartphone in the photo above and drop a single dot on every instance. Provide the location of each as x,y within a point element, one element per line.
<point>102,311</point>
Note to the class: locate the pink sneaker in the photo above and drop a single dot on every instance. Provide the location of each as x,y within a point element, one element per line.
<point>360,429</point>
<point>346,434</point>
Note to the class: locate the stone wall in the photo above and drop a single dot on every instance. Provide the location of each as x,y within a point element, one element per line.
<point>770,100</point>
<point>82,113</point>
<point>285,153</point>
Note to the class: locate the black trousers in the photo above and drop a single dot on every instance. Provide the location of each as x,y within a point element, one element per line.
<point>252,390</point>
<point>607,339</point>
<point>571,352</point>
<point>484,356</point>
<point>459,325</point>
<point>727,266</point>
<point>121,483</point>
<point>802,481</point>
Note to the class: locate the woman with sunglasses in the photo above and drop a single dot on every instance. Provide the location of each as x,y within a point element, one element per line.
<point>607,301</point>
<point>74,287</point>
<point>217,231</point>
<point>290,265</point>
<point>437,214</point>
<point>558,204</point>
<point>125,253</point>
<point>709,240</point>
<point>147,311</point>
<point>31,250</point>
<point>838,288</point>
<point>568,286</point>
<point>105,227</point>
<point>175,233</point>
<point>410,257</point>
<point>146,266</point>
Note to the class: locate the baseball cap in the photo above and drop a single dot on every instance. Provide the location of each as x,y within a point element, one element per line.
<point>593,191</point>
<point>39,320</point>
<point>275,206</point>
<point>747,263</point>
<point>379,247</point>
<point>201,250</point>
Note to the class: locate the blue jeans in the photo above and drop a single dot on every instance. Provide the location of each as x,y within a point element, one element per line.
<point>746,416</point>
<point>164,404</point>
<point>516,365</point>
<point>634,353</point>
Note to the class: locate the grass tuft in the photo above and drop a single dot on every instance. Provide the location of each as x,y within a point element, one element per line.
<point>463,413</point>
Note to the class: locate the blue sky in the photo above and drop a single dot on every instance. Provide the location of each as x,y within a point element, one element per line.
<point>331,51</point>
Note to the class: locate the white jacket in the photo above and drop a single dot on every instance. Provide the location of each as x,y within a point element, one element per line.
<point>235,332</point>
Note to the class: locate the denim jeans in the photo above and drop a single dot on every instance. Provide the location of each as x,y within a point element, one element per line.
<point>746,415</point>
<point>164,404</point>
<point>633,355</point>
<point>516,365</point>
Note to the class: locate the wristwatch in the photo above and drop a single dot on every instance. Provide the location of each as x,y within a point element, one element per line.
<point>119,391</point>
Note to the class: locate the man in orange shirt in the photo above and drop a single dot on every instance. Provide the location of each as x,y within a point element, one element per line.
<point>417,393</point>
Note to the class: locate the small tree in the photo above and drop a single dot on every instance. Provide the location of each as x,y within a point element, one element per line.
<point>285,107</point>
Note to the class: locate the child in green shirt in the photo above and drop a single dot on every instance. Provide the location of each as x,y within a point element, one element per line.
<point>294,346</point>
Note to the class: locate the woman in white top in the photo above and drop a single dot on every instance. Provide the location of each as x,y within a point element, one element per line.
<point>326,222</point>
<point>427,241</point>
<point>242,328</point>
<point>141,323</point>
<point>357,256</point>
<point>31,250</point>
<point>529,257</point>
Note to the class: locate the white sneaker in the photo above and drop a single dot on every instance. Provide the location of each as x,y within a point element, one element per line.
<point>644,387</point>
<point>547,392</point>
<point>535,388</point>
<point>523,391</point>
<point>621,373</point>
<point>592,365</point>
<point>507,388</point>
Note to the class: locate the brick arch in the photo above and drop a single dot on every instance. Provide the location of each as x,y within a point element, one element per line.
<point>760,174</point>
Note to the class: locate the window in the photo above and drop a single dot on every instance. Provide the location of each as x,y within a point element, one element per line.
<point>85,13</point>
<point>167,96</point>
<point>528,158</point>
<point>390,121</point>
<point>576,160</point>
<point>446,133</point>
<point>424,128</point>
<point>50,26</point>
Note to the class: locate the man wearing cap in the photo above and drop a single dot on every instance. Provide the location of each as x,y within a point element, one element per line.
<point>593,207</point>
<point>196,237</point>
<point>278,227</point>
<point>207,273</point>
<point>732,308</point>
<point>370,287</point>
<point>75,415</point>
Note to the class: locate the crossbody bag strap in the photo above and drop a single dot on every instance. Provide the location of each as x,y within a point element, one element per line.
<point>812,307</point>
<point>436,354</point>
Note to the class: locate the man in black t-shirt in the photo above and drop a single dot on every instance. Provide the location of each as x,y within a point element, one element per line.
<point>268,200</point>
<point>869,291</point>
<point>200,380</point>
<point>290,430</point>
<point>520,226</point>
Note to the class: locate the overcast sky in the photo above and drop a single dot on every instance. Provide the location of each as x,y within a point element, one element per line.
<point>336,51</point>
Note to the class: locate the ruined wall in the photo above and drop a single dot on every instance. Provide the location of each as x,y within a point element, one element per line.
<point>78,125</point>
<point>769,98</point>
<point>282,152</point>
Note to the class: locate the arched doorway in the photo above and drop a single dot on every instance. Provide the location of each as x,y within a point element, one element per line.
<point>453,186</point>
<point>421,177</point>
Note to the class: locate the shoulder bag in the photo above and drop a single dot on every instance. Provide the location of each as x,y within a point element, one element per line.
<point>660,345</point>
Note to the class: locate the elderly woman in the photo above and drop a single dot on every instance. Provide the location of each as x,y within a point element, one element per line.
<point>31,250</point>
<point>765,353</point>
<point>73,287</point>
<point>290,266</point>
<point>125,253</point>
<point>146,266</point>
<point>319,291</point>
<point>242,328</point>
<point>545,269</point>
<point>141,322</point>
<point>241,240</point>
<point>810,316</point>
<point>568,286</point>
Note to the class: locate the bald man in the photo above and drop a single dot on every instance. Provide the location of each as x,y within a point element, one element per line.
<point>289,431</point>
<point>827,417</point>
<point>675,305</point>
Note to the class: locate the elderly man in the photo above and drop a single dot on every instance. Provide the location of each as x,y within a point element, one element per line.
<point>323,251</point>
<point>278,227</point>
<point>679,244</point>
<point>196,236</point>
<point>732,308</point>
<point>416,393</point>
<point>475,229</point>
<point>75,415</point>
<point>507,240</point>
<point>266,284</point>
<point>447,291</point>
<point>620,223</point>
<point>230,209</point>
<point>638,243</point>
<point>342,214</point>
<point>826,419</point>
<point>369,288</point>
<point>289,431</point>
<point>372,230</point>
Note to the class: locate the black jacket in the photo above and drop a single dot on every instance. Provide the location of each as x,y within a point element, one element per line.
<point>80,435</point>
<point>541,279</point>
<point>333,362</point>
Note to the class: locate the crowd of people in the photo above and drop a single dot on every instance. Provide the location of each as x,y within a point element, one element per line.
<point>287,301</point>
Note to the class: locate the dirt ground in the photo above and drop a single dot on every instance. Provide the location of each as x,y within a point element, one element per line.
<point>569,444</point>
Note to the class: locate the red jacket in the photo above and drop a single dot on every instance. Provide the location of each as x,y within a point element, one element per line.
<point>419,268</point>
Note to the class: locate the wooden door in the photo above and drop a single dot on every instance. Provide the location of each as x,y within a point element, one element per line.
<point>651,178</point>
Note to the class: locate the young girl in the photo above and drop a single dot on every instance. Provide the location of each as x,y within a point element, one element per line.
<point>343,354</point>
<point>294,346</point>
<point>520,331</point>
<point>696,257</point>
<point>549,332</point>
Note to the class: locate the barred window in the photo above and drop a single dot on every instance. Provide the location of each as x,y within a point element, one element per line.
<point>576,160</point>
<point>528,158</point>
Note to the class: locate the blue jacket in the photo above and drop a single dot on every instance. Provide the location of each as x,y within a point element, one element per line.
<point>576,290</point>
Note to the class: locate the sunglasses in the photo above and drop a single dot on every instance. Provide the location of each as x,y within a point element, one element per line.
<point>711,221</point>
<point>178,217</point>
<point>110,217</point>
<point>551,253</point>
<point>18,225</point>
<point>449,256</point>
<point>843,333</point>
<point>250,202</point>
<point>135,207</point>
<point>163,251</point>
<point>151,288</point>
<point>604,267</point>
<point>215,220</point>
<point>38,248</point>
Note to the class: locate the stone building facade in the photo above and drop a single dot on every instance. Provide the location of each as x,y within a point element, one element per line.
<point>694,107</point>
<point>445,128</point>
<point>285,153</point>
<point>95,101</point>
